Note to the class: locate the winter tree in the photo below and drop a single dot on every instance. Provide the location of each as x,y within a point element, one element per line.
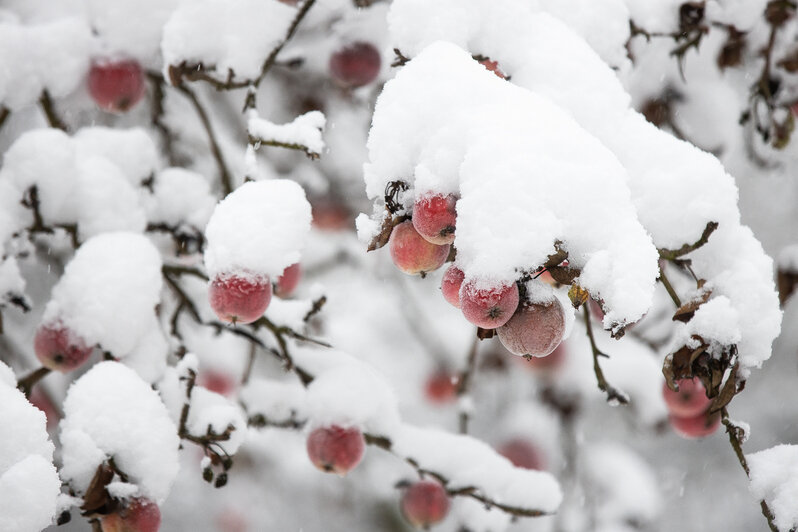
<point>499,265</point>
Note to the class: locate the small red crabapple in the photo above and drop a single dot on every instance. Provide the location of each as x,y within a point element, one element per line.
<point>217,382</point>
<point>425,503</point>
<point>59,348</point>
<point>451,283</point>
<point>140,515</point>
<point>41,401</point>
<point>441,387</point>
<point>239,299</point>
<point>522,454</point>
<point>336,449</point>
<point>355,65</point>
<point>697,426</point>
<point>488,305</point>
<point>689,401</point>
<point>287,282</point>
<point>435,217</point>
<point>116,86</point>
<point>329,215</point>
<point>493,66</point>
<point>411,253</point>
<point>535,329</point>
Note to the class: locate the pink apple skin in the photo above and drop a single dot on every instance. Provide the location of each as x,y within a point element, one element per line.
<point>441,387</point>
<point>698,426</point>
<point>425,503</point>
<point>336,449</point>
<point>60,349</point>
<point>493,66</point>
<point>411,253</point>
<point>451,283</point>
<point>141,515</point>
<point>690,401</point>
<point>41,401</point>
<point>116,86</point>
<point>287,282</point>
<point>434,217</point>
<point>522,454</point>
<point>550,362</point>
<point>218,382</point>
<point>331,216</point>
<point>237,299</point>
<point>488,307</point>
<point>355,65</point>
<point>535,329</point>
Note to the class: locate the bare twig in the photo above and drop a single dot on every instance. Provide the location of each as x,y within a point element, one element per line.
<point>613,394</point>
<point>669,288</point>
<point>48,107</point>
<point>464,382</point>
<point>26,383</point>
<point>257,142</point>
<point>5,112</point>
<point>672,254</point>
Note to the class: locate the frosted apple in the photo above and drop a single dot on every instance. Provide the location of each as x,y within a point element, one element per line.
<point>697,426</point>
<point>140,515</point>
<point>451,283</point>
<point>336,449</point>
<point>411,253</point>
<point>425,503</point>
<point>535,329</point>
<point>434,217</point>
<point>116,86</point>
<point>548,363</point>
<point>522,454</point>
<point>689,401</point>
<point>288,281</point>
<point>238,298</point>
<point>488,304</point>
<point>355,65</point>
<point>441,387</point>
<point>59,348</point>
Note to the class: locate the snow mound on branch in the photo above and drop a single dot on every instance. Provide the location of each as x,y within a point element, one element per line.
<point>29,483</point>
<point>277,401</point>
<point>132,150</point>
<point>181,196</point>
<point>254,28</point>
<point>108,292</point>
<point>774,478</point>
<point>52,56</point>
<point>469,132</point>
<point>676,188</point>
<point>259,228</point>
<point>111,413</point>
<point>304,130</point>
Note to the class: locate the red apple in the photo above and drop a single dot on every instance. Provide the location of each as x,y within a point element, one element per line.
<point>336,449</point>
<point>493,66</point>
<point>411,253</point>
<point>697,426</point>
<point>689,401</point>
<point>425,503</point>
<point>434,217</point>
<point>116,85</point>
<point>287,282</point>
<point>451,283</point>
<point>355,65</point>
<point>59,348</point>
<point>441,387</point>
<point>488,305</point>
<point>331,216</point>
<point>535,329</point>
<point>239,299</point>
<point>42,401</point>
<point>548,363</point>
<point>522,454</point>
<point>140,515</point>
<point>217,381</point>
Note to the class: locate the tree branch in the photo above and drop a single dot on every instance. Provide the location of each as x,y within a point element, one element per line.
<point>613,394</point>
<point>26,383</point>
<point>464,381</point>
<point>48,107</point>
<point>669,254</point>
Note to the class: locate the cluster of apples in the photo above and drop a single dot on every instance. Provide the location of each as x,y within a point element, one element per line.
<point>337,449</point>
<point>688,406</point>
<point>423,244</point>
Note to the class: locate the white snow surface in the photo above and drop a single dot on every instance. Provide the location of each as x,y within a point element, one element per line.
<point>181,196</point>
<point>110,412</point>
<point>29,483</point>
<point>259,229</point>
<point>788,258</point>
<point>458,128</point>
<point>132,150</point>
<point>676,188</point>
<point>276,401</point>
<point>774,478</point>
<point>108,292</point>
<point>304,130</point>
<point>52,56</point>
<point>251,30</point>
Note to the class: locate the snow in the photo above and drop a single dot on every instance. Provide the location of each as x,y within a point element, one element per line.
<point>111,413</point>
<point>29,483</point>
<point>276,401</point>
<point>305,130</point>
<point>11,280</point>
<point>52,56</point>
<point>259,229</point>
<point>108,292</point>
<point>252,29</point>
<point>181,196</point>
<point>774,477</point>
<point>132,150</point>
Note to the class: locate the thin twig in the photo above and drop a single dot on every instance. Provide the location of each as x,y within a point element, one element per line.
<point>47,105</point>
<point>669,288</point>
<point>26,383</point>
<point>5,112</point>
<point>464,381</point>
<point>250,364</point>
<point>613,394</point>
<point>671,254</point>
